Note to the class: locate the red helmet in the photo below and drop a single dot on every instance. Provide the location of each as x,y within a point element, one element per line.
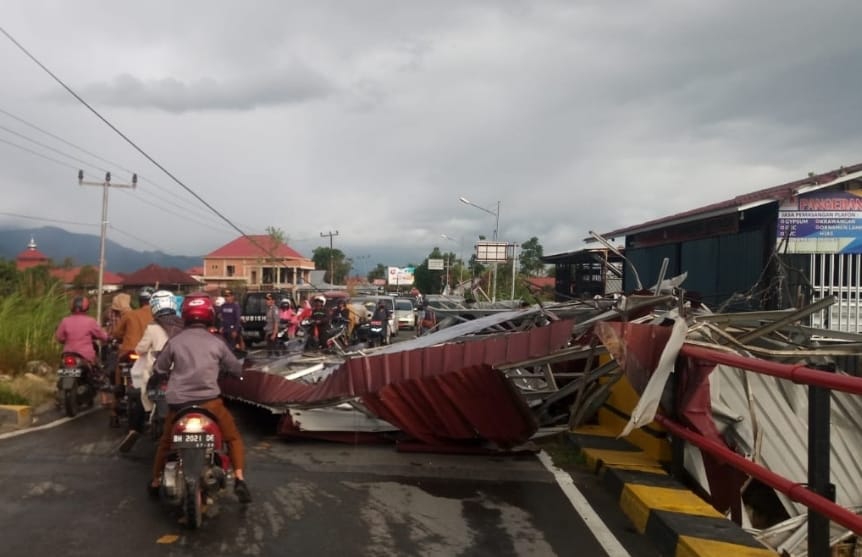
<point>80,304</point>
<point>198,310</point>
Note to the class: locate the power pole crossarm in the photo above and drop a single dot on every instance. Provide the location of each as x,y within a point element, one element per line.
<point>105,186</point>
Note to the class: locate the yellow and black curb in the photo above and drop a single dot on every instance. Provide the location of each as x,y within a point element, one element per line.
<point>675,519</point>
<point>16,414</point>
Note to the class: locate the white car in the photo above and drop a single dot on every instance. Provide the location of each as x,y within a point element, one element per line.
<point>405,313</point>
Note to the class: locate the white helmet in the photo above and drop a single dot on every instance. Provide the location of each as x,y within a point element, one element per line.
<point>219,301</point>
<point>320,298</point>
<point>163,302</point>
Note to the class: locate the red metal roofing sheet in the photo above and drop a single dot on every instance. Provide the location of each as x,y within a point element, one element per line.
<point>439,394</point>
<point>254,246</point>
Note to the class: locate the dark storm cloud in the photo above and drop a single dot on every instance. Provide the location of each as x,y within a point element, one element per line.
<point>287,86</point>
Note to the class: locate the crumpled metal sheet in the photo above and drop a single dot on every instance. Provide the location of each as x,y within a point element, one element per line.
<point>364,375</point>
<point>459,407</point>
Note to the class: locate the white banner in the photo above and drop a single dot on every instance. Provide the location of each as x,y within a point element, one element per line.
<point>398,276</point>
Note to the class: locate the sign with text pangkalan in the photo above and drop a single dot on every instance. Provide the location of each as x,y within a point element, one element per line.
<point>400,276</point>
<point>822,222</point>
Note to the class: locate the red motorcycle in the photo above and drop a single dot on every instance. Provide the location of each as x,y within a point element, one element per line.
<point>198,466</point>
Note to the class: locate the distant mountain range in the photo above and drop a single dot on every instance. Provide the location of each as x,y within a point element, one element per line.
<point>83,249</point>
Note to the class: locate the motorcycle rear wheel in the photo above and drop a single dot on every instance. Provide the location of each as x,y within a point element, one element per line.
<point>193,505</point>
<point>70,402</point>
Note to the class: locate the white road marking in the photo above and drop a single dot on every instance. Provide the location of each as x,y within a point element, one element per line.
<point>49,425</point>
<point>596,525</point>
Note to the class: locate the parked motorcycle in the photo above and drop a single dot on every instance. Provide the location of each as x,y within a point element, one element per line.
<point>77,384</point>
<point>198,465</point>
<point>315,335</point>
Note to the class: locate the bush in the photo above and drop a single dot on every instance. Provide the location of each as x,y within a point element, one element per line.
<point>7,396</point>
<point>27,325</point>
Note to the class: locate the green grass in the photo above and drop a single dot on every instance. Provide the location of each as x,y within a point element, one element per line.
<point>27,325</point>
<point>565,455</point>
<point>8,396</point>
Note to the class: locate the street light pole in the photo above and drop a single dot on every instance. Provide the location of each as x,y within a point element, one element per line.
<point>496,234</point>
<point>102,239</point>
<point>460,254</point>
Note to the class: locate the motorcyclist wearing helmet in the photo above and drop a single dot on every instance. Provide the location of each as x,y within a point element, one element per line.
<point>166,324</point>
<point>193,359</point>
<point>78,331</point>
<point>319,318</point>
<point>129,332</point>
<point>287,317</point>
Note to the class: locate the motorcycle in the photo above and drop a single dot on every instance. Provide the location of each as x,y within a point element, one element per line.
<point>317,335</point>
<point>157,388</point>
<point>77,384</point>
<point>198,465</point>
<point>127,396</point>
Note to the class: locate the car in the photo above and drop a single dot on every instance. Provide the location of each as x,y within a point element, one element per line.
<point>405,313</point>
<point>370,303</point>
<point>253,308</point>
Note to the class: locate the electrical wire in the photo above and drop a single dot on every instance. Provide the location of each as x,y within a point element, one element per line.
<point>45,219</point>
<point>121,134</point>
<point>173,200</point>
<point>38,154</point>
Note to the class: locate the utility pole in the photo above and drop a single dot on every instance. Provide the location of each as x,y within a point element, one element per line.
<point>331,268</point>
<point>105,185</point>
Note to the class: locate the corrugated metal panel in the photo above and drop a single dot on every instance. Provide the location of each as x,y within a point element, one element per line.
<point>443,394</point>
<point>648,263</point>
<point>780,410</point>
<point>466,406</point>
<point>741,262</point>
<point>700,259</point>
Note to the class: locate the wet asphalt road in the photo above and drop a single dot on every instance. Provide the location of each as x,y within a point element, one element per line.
<point>66,491</point>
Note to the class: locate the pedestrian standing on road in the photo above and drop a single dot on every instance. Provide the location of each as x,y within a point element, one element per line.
<point>231,321</point>
<point>270,327</point>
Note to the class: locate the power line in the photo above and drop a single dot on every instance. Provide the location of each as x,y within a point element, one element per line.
<point>83,150</point>
<point>45,219</point>
<point>121,134</point>
<point>38,154</point>
<point>55,150</point>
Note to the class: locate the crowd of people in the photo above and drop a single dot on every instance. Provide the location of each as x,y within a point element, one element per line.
<point>172,341</point>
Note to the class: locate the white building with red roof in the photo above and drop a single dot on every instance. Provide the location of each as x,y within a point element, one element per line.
<point>256,262</point>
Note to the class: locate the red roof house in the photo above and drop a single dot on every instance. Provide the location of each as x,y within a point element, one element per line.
<point>257,261</point>
<point>161,277</point>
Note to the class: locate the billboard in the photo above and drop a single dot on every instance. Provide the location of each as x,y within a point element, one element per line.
<point>398,276</point>
<point>494,251</point>
<point>822,222</point>
<point>435,264</point>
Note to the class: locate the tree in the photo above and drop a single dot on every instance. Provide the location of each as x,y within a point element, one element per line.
<point>341,266</point>
<point>531,254</point>
<point>8,277</point>
<point>277,235</point>
<point>87,277</point>
<point>378,272</point>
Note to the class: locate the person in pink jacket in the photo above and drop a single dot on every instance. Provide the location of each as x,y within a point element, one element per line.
<point>78,331</point>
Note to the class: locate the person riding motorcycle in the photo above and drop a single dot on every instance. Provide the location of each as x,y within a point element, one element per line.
<point>163,306</point>
<point>78,331</point>
<point>128,332</point>
<point>318,317</point>
<point>193,360</point>
<point>287,317</point>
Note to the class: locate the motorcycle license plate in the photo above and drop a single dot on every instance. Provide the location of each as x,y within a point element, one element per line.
<point>193,440</point>
<point>69,372</point>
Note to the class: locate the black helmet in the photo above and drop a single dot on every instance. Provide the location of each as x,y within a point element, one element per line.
<point>80,304</point>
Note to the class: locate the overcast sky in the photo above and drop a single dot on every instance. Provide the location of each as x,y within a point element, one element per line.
<point>372,118</point>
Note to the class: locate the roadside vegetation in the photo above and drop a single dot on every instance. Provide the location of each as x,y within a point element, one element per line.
<point>32,303</point>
